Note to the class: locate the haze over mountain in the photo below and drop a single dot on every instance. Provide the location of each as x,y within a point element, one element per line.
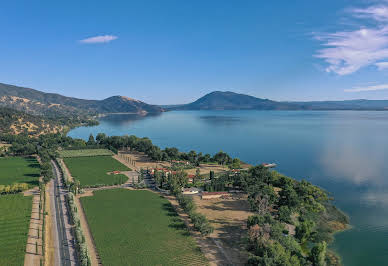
<point>219,100</point>
<point>40,103</point>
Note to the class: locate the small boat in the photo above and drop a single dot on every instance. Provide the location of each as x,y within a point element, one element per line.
<point>269,165</point>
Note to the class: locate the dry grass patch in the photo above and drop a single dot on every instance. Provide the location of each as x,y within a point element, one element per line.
<point>229,217</point>
<point>142,161</point>
<point>206,168</point>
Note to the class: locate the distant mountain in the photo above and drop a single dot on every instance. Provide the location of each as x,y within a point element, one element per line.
<point>219,100</point>
<point>52,104</point>
<point>122,104</point>
<point>378,105</point>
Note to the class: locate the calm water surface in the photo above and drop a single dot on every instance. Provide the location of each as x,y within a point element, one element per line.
<point>342,151</point>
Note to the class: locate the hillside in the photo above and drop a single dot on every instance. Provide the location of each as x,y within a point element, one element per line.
<point>122,104</point>
<point>54,105</point>
<point>16,122</point>
<point>219,100</point>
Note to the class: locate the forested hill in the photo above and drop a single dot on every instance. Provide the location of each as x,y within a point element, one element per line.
<point>16,122</point>
<point>219,100</point>
<point>54,105</point>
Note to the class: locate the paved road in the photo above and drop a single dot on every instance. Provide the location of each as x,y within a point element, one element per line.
<point>53,214</point>
<point>65,245</point>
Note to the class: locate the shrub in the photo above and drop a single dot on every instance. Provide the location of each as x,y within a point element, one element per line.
<point>79,235</point>
<point>201,224</point>
<point>14,188</point>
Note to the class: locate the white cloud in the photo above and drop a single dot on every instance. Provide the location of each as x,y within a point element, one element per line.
<point>99,39</point>
<point>378,13</point>
<point>369,88</point>
<point>348,51</point>
<point>382,65</point>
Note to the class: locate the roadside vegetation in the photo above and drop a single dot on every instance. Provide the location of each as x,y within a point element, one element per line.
<point>81,246</point>
<point>15,216</point>
<point>139,228</point>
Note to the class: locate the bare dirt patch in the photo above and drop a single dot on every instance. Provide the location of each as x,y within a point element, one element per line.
<point>31,192</point>
<point>4,146</point>
<point>138,160</point>
<point>206,168</point>
<point>228,216</point>
<point>34,249</point>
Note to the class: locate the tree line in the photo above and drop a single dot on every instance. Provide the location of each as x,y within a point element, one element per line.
<point>146,146</point>
<point>277,201</point>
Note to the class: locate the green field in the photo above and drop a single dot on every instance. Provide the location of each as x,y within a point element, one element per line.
<point>15,213</point>
<point>86,152</point>
<point>94,170</point>
<point>19,170</point>
<point>139,228</point>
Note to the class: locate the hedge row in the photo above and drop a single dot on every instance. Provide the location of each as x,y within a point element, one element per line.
<point>79,235</point>
<point>88,147</point>
<point>199,221</point>
<point>101,185</point>
<point>14,188</point>
<point>42,204</point>
<point>65,176</point>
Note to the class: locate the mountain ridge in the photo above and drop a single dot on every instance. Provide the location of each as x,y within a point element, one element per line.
<point>219,100</point>
<point>227,100</point>
<point>42,103</point>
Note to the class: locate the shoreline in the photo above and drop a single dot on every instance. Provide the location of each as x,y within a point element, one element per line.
<point>335,230</point>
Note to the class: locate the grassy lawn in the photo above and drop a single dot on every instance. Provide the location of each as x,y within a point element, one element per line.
<point>19,170</point>
<point>94,170</point>
<point>139,228</point>
<point>86,152</point>
<point>15,216</point>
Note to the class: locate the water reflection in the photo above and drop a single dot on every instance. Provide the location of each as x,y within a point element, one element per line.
<point>355,156</point>
<point>376,197</point>
<point>125,119</point>
<point>218,120</point>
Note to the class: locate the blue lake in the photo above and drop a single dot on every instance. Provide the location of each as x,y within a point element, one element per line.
<point>345,152</point>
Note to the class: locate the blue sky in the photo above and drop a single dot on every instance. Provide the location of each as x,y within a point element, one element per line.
<point>167,52</point>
